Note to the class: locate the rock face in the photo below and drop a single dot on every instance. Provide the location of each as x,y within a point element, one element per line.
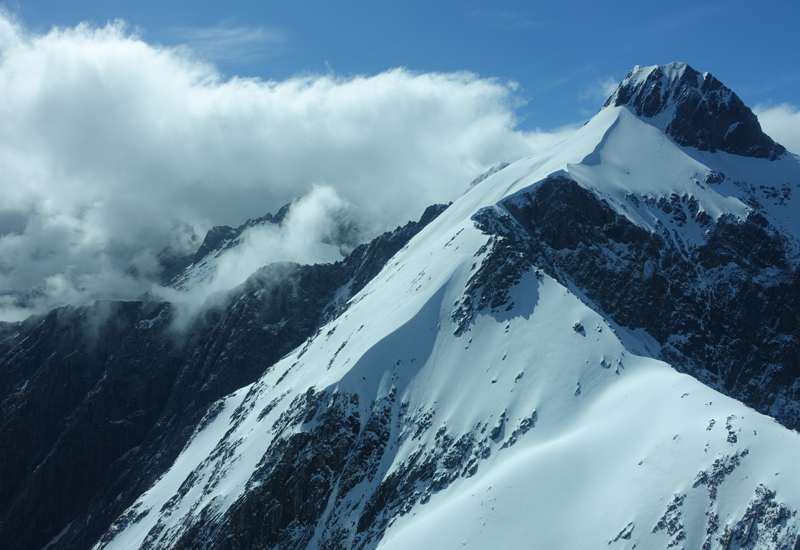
<point>725,312</point>
<point>182,272</point>
<point>221,236</point>
<point>695,109</point>
<point>98,400</point>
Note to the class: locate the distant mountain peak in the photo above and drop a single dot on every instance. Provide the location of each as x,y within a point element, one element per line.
<point>695,110</point>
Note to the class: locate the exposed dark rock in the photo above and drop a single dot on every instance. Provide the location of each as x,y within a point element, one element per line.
<point>94,386</point>
<point>524,427</point>
<point>625,534</point>
<point>721,469</point>
<point>343,233</point>
<point>672,521</point>
<point>222,236</point>
<point>311,482</point>
<point>290,487</point>
<point>726,312</point>
<point>216,238</point>
<point>701,111</point>
<point>172,263</point>
<point>98,401</point>
<point>763,525</point>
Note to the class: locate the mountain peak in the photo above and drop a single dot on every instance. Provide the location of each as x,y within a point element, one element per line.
<point>695,110</point>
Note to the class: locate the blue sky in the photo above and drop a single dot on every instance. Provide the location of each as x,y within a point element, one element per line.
<point>561,53</point>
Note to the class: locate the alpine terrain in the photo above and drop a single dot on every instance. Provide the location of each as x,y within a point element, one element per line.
<point>594,347</point>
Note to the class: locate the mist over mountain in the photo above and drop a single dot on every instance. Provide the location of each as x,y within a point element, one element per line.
<point>113,148</point>
<point>595,345</point>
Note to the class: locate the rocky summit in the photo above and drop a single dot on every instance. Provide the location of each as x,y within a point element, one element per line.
<point>596,346</point>
<point>694,109</point>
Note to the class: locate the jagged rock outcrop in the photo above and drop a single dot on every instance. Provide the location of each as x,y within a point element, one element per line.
<point>726,312</point>
<point>221,237</point>
<point>695,109</point>
<point>184,271</point>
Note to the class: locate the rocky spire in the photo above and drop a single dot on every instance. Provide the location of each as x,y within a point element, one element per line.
<point>695,110</point>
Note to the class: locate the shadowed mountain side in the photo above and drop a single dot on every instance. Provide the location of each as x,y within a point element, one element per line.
<point>98,400</point>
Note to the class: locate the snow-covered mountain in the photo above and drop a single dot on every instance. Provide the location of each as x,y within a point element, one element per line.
<point>511,372</point>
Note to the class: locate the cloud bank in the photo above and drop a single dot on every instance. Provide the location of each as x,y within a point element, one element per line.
<point>781,123</point>
<point>112,148</point>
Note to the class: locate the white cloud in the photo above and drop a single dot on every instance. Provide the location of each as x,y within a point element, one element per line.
<point>227,42</point>
<point>781,123</point>
<point>298,239</point>
<point>111,148</point>
<point>599,90</point>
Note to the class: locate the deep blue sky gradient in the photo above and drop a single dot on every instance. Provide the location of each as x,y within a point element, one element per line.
<point>558,52</point>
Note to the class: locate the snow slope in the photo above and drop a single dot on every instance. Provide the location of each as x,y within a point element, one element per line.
<point>542,428</point>
<point>618,155</point>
